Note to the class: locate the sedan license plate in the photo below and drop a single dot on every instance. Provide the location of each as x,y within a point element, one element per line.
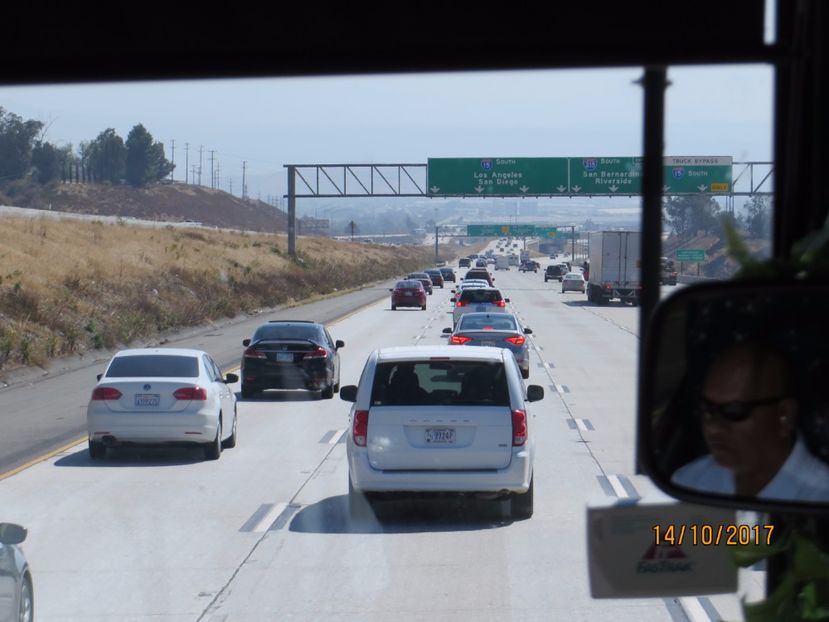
<point>440,436</point>
<point>147,399</point>
<point>490,344</point>
<point>481,308</point>
<point>285,357</point>
<point>407,293</point>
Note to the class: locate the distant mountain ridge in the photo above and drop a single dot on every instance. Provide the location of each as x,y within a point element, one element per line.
<point>167,202</point>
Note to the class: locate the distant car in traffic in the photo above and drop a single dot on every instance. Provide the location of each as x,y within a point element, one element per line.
<point>440,419</point>
<point>17,603</point>
<point>448,274</point>
<point>291,354</point>
<point>162,396</point>
<point>408,293</point>
<point>555,272</point>
<point>423,278</point>
<point>499,330</point>
<point>479,273</point>
<point>480,300</point>
<point>467,284</point>
<point>529,266</point>
<point>480,263</point>
<point>436,276</point>
<point>573,282</point>
<point>464,262</point>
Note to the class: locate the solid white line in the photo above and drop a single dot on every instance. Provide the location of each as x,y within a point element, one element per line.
<point>582,427</point>
<point>269,518</point>
<point>336,438</point>
<point>694,609</point>
<point>616,483</point>
<point>559,388</point>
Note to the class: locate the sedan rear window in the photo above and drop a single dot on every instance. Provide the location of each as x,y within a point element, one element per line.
<point>435,383</point>
<point>492,322</point>
<point>154,366</point>
<point>480,295</point>
<point>409,285</point>
<point>277,332</point>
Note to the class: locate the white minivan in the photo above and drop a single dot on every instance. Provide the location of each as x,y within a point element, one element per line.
<point>437,419</point>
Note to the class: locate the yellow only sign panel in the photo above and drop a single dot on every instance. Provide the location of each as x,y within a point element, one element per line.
<point>719,187</point>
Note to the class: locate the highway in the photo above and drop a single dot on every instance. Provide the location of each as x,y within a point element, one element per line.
<point>264,533</point>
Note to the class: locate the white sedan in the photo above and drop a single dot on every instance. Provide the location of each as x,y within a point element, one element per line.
<point>162,396</point>
<point>434,419</point>
<point>573,282</point>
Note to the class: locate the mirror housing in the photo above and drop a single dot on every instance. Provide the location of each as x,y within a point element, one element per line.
<point>731,383</point>
<point>506,299</point>
<point>246,342</point>
<point>528,331</point>
<point>446,331</point>
<point>99,376</point>
<point>348,393</point>
<point>11,533</point>
<point>231,378</point>
<point>339,344</point>
<point>535,393</point>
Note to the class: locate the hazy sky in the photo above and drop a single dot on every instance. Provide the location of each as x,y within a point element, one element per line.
<point>711,111</point>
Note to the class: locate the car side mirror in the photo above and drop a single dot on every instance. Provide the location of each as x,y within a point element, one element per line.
<point>348,393</point>
<point>535,393</point>
<point>231,378</point>
<point>528,331</point>
<point>99,376</point>
<point>391,289</point>
<point>11,533</point>
<point>506,299</point>
<point>733,376</point>
<point>246,342</point>
<point>446,331</point>
<point>339,344</point>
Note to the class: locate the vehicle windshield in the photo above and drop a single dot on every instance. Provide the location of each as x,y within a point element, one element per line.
<point>155,214</point>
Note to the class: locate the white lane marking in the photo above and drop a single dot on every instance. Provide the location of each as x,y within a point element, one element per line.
<point>616,483</point>
<point>559,388</point>
<point>582,427</point>
<point>265,522</point>
<point>336,438</point>
<point>694,609</point>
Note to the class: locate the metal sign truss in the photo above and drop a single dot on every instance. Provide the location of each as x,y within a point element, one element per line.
<point>359,180</point>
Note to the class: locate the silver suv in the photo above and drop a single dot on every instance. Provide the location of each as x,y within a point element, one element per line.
<point>479,300</point>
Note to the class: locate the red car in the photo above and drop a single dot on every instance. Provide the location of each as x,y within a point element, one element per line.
<point>408,293</point>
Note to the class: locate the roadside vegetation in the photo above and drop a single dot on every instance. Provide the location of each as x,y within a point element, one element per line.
<point>67,287</point>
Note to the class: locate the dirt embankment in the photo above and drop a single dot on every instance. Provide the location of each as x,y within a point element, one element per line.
<point>70,286</point>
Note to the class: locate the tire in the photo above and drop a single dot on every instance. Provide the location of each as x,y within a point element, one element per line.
<point>328,392</point>
<point>337,387</point>
<point>213,450</point>
<point>97,450</point>
<point>545,279</point>
<point>521,505</point>
<point>247,392</point>
<point>525,373</point>
<point>394,307</point>
<point>26,612</point>
<point>230,441</point>
<point>422,307</point>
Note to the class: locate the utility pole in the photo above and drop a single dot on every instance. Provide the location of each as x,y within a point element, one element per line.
<point>194,173</point>
<point>186,161</point>
<point>231,186</point>
<point>200,148</point>
<point>573,243</point>
<point>212,172</point>
<point>173,171</point>
<point>218,179</point>
<point>244,188</point>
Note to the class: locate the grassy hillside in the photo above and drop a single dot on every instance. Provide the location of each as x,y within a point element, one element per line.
<point>70,286</point>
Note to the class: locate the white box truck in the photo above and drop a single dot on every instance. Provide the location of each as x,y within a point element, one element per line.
<point>502,262</point>
<point>615,264</point>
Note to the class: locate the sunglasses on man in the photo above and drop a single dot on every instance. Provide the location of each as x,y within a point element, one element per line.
<point>733,411</point>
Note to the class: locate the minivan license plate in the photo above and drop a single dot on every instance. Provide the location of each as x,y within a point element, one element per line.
<point>440,436</point>
<point>147,399</point>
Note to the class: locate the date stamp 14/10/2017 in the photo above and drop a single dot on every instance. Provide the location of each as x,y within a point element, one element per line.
<point>713,535</point>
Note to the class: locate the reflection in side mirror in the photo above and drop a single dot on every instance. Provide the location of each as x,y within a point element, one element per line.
<point>733,410</point>
<point>535,393</point>
<point>11,533</point>
<point>246,342</point>
<point>348,393</point>
<point>231,378</point>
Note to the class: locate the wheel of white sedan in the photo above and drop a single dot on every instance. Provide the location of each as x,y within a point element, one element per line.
<point>230,441</point>
<point>27,604</point>
<point>214,449</point>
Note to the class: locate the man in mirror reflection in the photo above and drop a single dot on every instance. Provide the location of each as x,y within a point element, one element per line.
<point>749,413</point>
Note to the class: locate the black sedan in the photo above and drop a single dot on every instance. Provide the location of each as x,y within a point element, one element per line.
<point>291,355</point>
<point>498,330</point>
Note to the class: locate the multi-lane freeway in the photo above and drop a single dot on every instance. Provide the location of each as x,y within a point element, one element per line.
<point>264,532</point>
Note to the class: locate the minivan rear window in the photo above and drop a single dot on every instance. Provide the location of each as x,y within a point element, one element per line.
<point>154,366</point>
<point>436,383</point>
<point>480,295</point>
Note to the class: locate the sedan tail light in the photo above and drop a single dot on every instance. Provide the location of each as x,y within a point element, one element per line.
<point>191,393</point>
<point>106,393</point>
<point>253,353</point>
<point>459,340</point>
<point>319,353</point>
<point>460,303</point>
<point>519,428</point>
<point>518,340</point>
<point>360,427</point>
<point>500,303</point>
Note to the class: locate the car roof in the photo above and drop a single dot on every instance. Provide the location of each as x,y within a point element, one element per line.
<point>484,314</point>
<point>424,353</point>
<point>161,352</point>
<point>290,323</point>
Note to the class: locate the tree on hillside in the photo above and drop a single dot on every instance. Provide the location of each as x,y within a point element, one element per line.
<point>46,162</point>
<point>105,157</point>
<point>687,215</point>
<point>145,159</point>
<point>16,142</point>
<point>758,217</point>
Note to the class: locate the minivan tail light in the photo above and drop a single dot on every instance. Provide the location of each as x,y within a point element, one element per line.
<point>459,340</point>
<point>198,394</point>
<point>319,353</point>
<point>106,393</point>
<point>500,303</point>
<point>460,303</point>
<point>360,427</point>
<point>519,428</point>
<point>253,353</point>
<point>518,340</point>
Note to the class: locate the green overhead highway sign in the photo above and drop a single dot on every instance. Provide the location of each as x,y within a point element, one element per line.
<point>573,176</point>
<point>690,254</point>
<point>511,230</point>
<point>546,232</point>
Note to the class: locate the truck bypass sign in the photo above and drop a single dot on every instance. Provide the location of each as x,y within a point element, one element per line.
<point>512,177</point>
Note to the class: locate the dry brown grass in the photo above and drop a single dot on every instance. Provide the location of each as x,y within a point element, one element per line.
<point>68,286</point>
